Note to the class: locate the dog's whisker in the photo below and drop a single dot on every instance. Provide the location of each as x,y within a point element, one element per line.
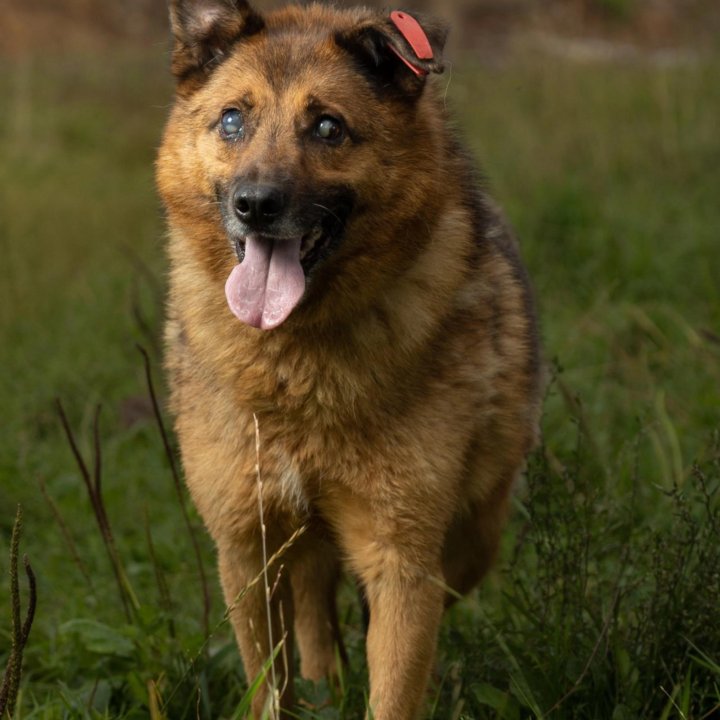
<point>328,211</point>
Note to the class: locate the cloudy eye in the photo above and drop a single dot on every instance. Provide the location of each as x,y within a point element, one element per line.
<point>231,124</point>
<point>329,129</point>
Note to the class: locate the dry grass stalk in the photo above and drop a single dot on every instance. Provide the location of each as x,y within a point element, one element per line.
<point>178,490</point>
<point>274,705</point>
<point>93,485</point>
<point>20,631</point>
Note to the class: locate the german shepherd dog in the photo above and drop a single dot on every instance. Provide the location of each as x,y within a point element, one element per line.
<point>351,340</point>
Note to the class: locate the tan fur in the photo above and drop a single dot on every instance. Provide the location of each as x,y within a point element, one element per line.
<point>396,405</point>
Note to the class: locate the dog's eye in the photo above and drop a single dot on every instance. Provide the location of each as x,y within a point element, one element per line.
<point>329,129</point>
<point>231,124</point>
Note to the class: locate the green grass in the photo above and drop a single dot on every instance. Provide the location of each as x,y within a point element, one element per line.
<point>604,604</point>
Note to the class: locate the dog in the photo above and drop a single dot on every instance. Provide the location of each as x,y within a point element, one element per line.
<point>352,345</point>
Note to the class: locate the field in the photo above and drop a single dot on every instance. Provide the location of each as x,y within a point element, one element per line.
<point>605,601</point>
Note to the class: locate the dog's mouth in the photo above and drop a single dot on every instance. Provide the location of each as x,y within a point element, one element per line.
<point>272,272</point>
<point>315,246</point>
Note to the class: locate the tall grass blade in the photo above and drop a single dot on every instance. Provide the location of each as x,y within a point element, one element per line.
<point>67,535</point>
<point>245,705</point>
<point>178,490</point>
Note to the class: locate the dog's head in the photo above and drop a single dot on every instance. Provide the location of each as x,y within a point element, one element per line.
<point>298,140</point>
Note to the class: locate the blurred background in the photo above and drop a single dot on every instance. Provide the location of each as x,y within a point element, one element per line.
<point>68,24</point>
<point>597,126</point>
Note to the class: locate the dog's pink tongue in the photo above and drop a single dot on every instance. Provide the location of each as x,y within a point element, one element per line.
<point>267,285</point>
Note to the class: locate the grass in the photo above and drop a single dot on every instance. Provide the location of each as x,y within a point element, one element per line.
<point>604,604</point>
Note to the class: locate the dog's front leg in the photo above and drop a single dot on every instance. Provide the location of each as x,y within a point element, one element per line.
<point>405,614</point>
<point>246,595</point>
<point>397,557</point>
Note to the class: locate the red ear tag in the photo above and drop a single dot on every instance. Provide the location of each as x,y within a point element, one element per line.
<point>411,30</point>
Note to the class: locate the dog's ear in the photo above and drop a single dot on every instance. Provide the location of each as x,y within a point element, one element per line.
<point>205,30</point>
<point>399,49</point>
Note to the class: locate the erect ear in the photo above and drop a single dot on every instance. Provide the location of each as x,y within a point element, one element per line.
<point>204,31</point>
<point>400,48</point>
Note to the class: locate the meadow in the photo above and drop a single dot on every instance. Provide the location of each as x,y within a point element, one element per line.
<point>605,601</point>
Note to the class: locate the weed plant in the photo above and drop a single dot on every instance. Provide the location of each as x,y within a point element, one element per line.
<point>597,613</point>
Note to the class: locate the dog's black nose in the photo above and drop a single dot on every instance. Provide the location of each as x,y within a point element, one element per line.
<point>258,206</point>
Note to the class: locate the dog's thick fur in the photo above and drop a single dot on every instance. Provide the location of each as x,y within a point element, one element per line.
<point>399,399</point>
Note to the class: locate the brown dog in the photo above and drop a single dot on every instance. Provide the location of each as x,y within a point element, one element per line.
<point>338,275</point>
